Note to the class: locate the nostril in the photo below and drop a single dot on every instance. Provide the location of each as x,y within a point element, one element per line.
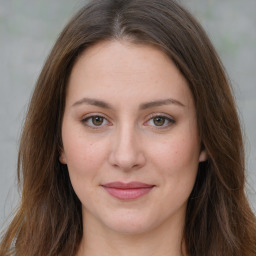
<point>127,161</point>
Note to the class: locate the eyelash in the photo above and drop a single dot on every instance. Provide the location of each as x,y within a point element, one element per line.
<point>167,119</point>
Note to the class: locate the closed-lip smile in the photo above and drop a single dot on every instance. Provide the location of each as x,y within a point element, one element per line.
<point>127,191</point>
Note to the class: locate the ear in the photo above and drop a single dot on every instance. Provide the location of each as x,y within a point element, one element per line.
<point>203,155</point>
<point>62,157</point>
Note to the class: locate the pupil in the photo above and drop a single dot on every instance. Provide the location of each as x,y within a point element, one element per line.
<point>159,121</point>
<point>97,120</point>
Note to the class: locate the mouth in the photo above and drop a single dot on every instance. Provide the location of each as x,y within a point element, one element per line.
<point>127,191</point>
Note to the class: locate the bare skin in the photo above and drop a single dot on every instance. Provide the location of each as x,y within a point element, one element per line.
<point>130,117</point>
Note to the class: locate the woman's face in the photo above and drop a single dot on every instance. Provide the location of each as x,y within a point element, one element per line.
<point>130,138</point>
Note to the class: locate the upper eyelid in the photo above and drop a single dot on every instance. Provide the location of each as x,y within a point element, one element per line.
<point>90,115</point>
<point>105,116</point>
<point>160,115</point>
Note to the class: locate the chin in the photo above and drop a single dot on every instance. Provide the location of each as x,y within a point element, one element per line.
<point>129,228</point>
<point>131,224</point>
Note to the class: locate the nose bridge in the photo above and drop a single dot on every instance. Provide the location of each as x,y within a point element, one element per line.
<point>127,151</point>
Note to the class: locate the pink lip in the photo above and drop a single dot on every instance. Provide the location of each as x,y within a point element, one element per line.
<point>127,191</point>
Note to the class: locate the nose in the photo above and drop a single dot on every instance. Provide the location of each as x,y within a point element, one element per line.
<point>127,150</point>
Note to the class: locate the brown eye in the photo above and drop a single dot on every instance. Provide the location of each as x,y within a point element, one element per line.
<point>97,120</point>
<point>159,120</point>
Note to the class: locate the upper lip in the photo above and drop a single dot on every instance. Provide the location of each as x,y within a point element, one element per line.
<point>123,185</point>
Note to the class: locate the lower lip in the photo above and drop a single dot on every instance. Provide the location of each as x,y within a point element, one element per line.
<point>127,193</point>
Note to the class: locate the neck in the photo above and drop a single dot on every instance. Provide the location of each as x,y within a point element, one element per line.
<point>165,240</point>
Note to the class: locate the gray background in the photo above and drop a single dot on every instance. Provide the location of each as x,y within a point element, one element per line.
<point>28,29</point>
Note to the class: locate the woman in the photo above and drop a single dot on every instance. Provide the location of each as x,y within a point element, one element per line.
<point>132,144</point>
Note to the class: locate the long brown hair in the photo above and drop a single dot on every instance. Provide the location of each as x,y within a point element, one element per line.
<point>219,220</point>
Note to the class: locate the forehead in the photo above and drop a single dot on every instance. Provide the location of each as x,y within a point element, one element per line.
<point>112,69</point>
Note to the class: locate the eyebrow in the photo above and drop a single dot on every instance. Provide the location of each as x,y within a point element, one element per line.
<point>94,102</point>
<point>143,106</point>
<point>159,103</point>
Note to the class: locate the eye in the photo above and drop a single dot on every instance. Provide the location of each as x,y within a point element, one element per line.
<point>160,121</point>
<point>95,121</point>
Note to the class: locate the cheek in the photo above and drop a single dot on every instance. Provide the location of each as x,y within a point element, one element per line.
<point>176,153</point>
<point>84,161</point>
<point>176,159</point>
<point>84,156</point>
